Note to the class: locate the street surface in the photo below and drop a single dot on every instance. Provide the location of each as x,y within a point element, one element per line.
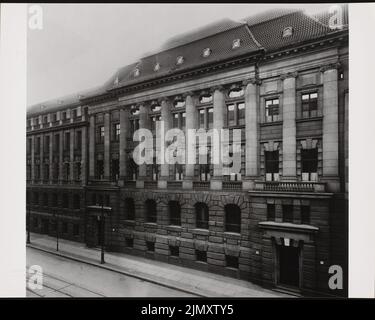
<point>67,278</point>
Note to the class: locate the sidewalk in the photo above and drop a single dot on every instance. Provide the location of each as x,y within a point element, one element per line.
<point>192,281</point>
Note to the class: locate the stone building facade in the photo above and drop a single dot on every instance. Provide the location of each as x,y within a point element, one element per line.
<point>282,79</point>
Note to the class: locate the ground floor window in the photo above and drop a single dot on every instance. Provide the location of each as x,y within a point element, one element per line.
<point>201,255</point>
<point>231,261</point>
<point>150,246</point>
<point>174,251</point>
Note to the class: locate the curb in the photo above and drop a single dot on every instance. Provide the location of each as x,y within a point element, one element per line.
<point>145,278</point>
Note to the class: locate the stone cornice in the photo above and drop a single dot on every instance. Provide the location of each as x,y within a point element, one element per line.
<point>253,81</point>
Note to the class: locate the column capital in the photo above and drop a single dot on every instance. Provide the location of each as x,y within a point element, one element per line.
<point>330,66</point>
<point>253,81</point>
<point>217,88</point>
<point>289,75</point>
<point>188,93</point>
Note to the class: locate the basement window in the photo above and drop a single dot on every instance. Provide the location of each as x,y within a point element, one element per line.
<point>201,255</point>
<point>150,246</point>
<point>231,261</point>
<point>174,250</point>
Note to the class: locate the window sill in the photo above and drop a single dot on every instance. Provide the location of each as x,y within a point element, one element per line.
<point>174,228</point>
<point>232,235</point>
<point>315,118</point>
<point>273,123</point>
<point>200,231</point>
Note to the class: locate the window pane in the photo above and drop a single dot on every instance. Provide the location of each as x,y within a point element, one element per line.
<point>241,113</point>
<point>230,115</point>
<point>201,118</point>
<point>210,116</point>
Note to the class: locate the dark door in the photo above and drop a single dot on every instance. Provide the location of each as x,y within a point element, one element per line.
<point>289,266</point>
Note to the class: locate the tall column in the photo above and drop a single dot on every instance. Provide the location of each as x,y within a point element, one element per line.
<point>84,156</point>
<point>289,126</point>
<point>144,122</point>
<point>50,158</point>
<point>251,130</point>
<point>41,158</point>
<point>71,155</point>
<point>167,118</point>
<point>107,141</point>
<point>124,133</point>
<point>32,158</point>
<point>92,148</point>
<point>191,123</point>
<point>330,127</point>
<point>61,156</point>
<point>219,116</point>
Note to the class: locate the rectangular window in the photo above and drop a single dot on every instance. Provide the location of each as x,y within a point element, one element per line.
<point>272,110</point>
<point>64,227</point>
<point>46,144</point>
<point>201,118</point>
<point>305,214</point>
<point>78,143</point>
<point>115,169</point>
<point>271,212</point>
<point>241,113</point>
<point>183,120</point>
<point>179,172</point>
<point>99,169</point>
<point>210,118</point>
<point>230,115</point>
<point>150,246</point>
<point>57,143</point>
<point>231,261</point>
<point>309,164</point>
<point>201,255</point>
<point>309,104</point>
<point>174,250</point>
<point>100,134</point>
<point>175,120</point>
<point>272,165</point>
<point>67,141</point>
<point>116,132</point>
<point>288,213</point>
<point>78,171</point>
<point>37,145</point>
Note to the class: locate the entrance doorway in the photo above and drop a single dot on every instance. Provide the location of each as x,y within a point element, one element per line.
<point>289,266</point>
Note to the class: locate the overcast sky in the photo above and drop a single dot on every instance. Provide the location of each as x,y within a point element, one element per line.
<point>82,45</point>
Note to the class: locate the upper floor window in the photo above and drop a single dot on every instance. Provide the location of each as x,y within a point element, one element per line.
<point>309,104</point>
<point>46,143</point>
<point>45,119</point>
<point>116,132</point>
<point>272,165</point>
<point>63,115</point>
<point>201,215</point>
<point>129,208</point>
<point>179,171</point>
<point>288,213</point>
<point>305,214</point>
<point>54,117</point>
<point>179,120</point>
<point>309,164</point>
<point>67,141</point>
<point>78,142</point>
<point>206,118</point>
<point>236,114</point>
<point>37,145</point>
<point>271,212</point>
<point>154,119</point>
<point>272,110</point>
<point>151,213</point>
<point>100,134</point>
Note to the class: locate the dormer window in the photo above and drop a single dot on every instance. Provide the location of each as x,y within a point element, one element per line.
<point>157,67</point>
<point>288,32</point>
<point>180,60</point>
<point>236,43</point>
<point>137,72</point>
<point>206,52</point>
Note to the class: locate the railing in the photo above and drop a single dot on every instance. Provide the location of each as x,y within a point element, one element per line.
<point>232,185</point>
<point>201,184</point>
<point>174,185</point>
<point>150,184</point>
<point>290,186</point>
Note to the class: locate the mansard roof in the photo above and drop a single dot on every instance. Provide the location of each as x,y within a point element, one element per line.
<point>258,33</point>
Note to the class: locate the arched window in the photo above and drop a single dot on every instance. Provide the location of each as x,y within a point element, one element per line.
<point>201,215</point>
<point>150,211</point>
<point>129,209</point>
<point>174,210</point>
<point>232,218</point>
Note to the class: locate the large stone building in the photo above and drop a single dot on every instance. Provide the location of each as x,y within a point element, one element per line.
<point>282,78</point>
